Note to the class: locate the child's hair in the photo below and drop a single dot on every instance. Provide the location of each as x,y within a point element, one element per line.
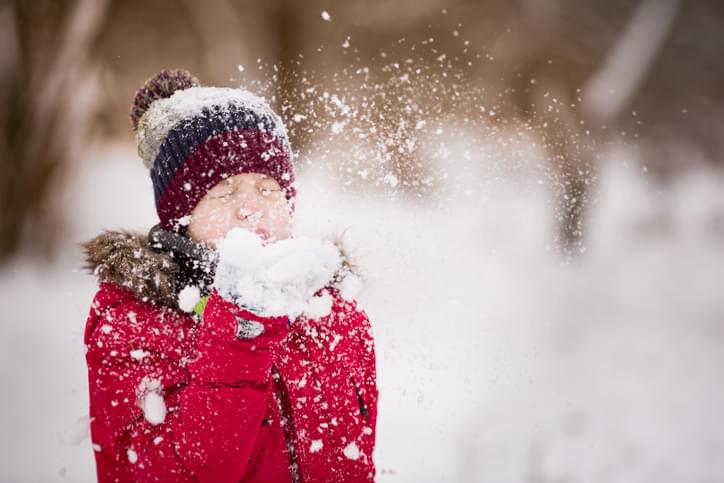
<point>192,137</point>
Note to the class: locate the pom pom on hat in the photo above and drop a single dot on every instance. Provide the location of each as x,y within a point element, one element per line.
<point>160,86</point>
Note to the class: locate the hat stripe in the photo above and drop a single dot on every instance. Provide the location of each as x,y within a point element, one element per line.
<point>205,167</point>
<point>190,133</point>
<point>166,114</point>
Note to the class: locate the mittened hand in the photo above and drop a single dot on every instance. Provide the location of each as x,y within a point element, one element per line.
<point>235,345</point>
<point>228,321</point>
<point>278,278</point>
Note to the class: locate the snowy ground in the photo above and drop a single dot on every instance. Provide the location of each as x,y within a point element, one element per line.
<point>496,363</point>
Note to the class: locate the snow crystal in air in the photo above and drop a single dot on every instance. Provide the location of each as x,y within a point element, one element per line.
<point>338,127</point>
<point>351,451</point>
<point>315,446</point>
<point>279,278</point>
<point>188,297</point>
<point>390,179</point>
<point>326,16</point>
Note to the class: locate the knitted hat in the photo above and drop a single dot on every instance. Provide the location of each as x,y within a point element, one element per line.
<point>192,137</point>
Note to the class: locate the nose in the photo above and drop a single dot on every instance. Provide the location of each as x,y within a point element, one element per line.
<point>245,213</point>
<point>248,207</point>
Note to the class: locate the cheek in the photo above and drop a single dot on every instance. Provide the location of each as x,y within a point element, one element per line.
<point>277,220</point>
<point>210,223</point>
<point>280,215</point>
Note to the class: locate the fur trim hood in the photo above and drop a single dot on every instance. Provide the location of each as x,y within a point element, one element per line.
<point>127,259</point>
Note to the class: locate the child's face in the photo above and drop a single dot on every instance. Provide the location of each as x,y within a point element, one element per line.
<point>252,201</point>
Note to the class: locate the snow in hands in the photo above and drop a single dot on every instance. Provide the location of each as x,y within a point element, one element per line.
<point>278,278</point>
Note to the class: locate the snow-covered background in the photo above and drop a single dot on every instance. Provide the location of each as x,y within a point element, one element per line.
<point>496,361</point>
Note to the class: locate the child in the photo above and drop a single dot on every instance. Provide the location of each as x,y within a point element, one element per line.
<point>188,380</point>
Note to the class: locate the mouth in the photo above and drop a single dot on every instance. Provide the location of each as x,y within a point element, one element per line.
<point>265,235</point>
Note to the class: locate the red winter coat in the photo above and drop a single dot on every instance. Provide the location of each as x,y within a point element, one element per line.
<point>296,403</point>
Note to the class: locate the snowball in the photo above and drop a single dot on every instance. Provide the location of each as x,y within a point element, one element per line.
<point>320,306</point>
<point>351,451</point>
<point>188,297</point>
<point>315,446</point>
<point>154,408</point>
<point>151,400</point>
<point>279,278</point>
<point>350,286</point>
<point>132,456</point>
<point>138,354</point>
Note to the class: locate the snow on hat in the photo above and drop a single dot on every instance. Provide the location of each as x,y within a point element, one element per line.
<point>192,137</point>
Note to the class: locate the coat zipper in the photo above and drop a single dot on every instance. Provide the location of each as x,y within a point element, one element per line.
<point>362,406</point>
<point>287,424</point>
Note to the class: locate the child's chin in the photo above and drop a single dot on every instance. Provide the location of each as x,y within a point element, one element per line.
<point>266,237</point>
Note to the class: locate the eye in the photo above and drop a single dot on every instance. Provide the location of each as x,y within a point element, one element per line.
<point>222,193</point>
<point>268,186</point>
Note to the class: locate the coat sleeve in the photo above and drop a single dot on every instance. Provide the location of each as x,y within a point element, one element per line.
<point>171,401</point>
<point>364,370</point>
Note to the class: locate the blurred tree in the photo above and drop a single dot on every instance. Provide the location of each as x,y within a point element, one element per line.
<point>46,83</point>
<point>575,69</point>
<point>387,68</point>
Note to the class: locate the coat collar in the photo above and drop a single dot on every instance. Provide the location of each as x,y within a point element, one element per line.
<point>126,259</point>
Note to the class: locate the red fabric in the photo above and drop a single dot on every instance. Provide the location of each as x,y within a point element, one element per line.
<point>296,403</point>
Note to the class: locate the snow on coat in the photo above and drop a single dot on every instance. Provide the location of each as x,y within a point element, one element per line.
<point>177,397</point>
